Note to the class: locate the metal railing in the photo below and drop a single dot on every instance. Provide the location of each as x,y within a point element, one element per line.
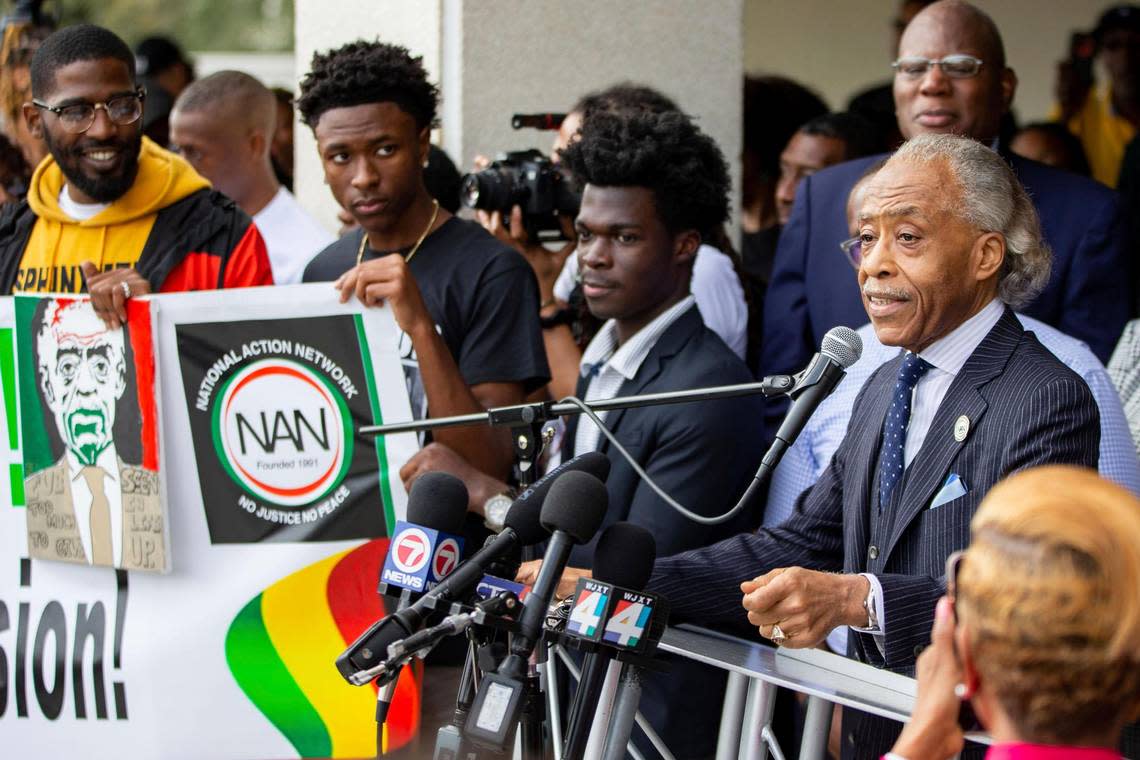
<point>756,672</point>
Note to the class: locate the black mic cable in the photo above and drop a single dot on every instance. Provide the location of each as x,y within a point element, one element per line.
<point>841,347</point>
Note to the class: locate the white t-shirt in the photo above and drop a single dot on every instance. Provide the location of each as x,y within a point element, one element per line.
<point>80,212</point>
<point>291,236</point>
<point>715,286</point>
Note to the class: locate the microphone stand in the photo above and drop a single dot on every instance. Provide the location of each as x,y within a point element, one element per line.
<point>525,422</point>
<point>527,419</point>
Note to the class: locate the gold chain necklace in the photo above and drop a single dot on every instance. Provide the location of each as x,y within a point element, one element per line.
<point>416,247</point>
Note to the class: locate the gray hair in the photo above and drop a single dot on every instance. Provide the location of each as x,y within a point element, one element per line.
<point>992,200</point>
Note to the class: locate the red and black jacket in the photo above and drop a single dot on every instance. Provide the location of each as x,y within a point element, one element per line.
<point>201,242</point>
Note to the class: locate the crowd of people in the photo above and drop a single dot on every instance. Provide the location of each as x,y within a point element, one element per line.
<point>990,282</point>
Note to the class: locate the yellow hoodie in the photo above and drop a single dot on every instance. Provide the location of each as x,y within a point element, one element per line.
<point>113,238</point>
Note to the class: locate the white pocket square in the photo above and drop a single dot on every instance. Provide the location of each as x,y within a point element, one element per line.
<point>951,489</point>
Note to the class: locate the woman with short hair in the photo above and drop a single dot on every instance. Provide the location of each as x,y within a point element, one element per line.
<point>1040,628</point>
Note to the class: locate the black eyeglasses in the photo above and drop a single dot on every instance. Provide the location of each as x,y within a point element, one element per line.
<point>77,118</point>
<point>957,66</point>
<point>953,565</point>
<point>853,249</point>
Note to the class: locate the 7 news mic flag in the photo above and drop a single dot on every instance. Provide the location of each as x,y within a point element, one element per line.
<point>419,558</point>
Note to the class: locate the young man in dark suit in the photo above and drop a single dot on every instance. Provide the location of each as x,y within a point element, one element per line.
<point>951,78</point>
<point>949,243</point>
<point>654,188</point>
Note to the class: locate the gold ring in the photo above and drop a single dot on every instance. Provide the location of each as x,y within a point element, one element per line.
<point>778,635</point>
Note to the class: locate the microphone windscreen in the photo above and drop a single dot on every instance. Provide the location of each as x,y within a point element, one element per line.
<point>625,555</point>
<point>525,514</point>
<point>843,345</point>
<point>438,501</point>
<point>576,504</point>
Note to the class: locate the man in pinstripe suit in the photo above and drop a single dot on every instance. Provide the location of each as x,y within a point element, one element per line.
<point>949,243</point>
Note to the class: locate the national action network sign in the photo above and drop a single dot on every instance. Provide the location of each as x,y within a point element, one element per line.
<point>274,406</point>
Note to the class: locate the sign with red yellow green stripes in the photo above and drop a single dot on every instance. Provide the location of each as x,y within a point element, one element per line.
<point>232,653</point>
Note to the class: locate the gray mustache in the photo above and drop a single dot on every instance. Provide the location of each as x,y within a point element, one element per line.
<point>885,292</point>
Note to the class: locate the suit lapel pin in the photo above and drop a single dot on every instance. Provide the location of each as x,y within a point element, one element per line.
<point>961,428</point>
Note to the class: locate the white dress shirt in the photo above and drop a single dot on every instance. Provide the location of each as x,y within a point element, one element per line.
<point>609,365</point>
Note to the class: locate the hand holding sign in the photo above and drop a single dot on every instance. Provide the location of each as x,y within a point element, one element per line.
<point>110,290</point>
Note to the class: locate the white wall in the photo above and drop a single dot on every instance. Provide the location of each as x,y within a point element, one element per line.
<point>271,69</point>
<point>325,24</point>
<point>839,48</point>
<point>493,58</point>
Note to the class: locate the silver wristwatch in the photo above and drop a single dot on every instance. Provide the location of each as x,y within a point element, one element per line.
<point>872,611</point>
<point>495,511</point>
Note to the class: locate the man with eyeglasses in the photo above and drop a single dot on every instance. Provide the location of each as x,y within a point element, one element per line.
<point>109,211</point>
<point>951,77</point>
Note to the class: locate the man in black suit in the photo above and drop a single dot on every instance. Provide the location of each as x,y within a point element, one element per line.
<point>654,188</point>
<point>949,242</point>
<point>937,89</point>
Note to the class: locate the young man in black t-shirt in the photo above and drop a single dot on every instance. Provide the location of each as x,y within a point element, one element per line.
<point>466,303</point>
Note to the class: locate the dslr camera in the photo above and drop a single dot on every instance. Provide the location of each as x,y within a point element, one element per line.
<point>527,179</point>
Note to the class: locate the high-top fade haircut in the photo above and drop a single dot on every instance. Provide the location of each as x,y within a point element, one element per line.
<point>368,72</point>
<point>82,42</point>
<point>664,152</point>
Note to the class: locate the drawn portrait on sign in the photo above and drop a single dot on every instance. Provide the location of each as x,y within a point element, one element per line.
<point>97,502</point>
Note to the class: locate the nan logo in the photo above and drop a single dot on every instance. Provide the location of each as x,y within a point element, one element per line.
<point>282,432</point>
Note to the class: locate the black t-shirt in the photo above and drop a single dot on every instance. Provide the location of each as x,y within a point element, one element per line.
<point>482,296</point>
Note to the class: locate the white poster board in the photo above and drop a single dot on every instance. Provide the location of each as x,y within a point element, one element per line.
<point>230,654</point>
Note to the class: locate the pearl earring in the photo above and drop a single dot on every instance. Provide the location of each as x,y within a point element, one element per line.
<point>961,692</point>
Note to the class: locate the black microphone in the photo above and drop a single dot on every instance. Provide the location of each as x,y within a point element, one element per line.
<point>437,501</point>
<point>527,506</point>
<point>841,347</point>
<point>572,512</point>
<point>623,557</point>
<point>359,663</point>
<point>522,527</point>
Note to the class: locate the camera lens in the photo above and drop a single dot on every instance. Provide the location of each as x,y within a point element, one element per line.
<point>492,189</point>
